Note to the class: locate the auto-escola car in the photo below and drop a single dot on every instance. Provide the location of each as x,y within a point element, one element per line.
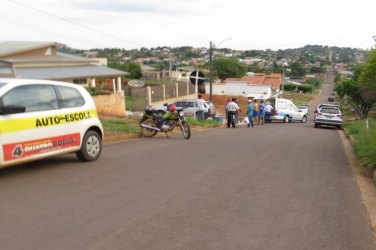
<point>42,118</point>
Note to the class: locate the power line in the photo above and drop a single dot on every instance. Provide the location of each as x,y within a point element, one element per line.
<point>74,23</point>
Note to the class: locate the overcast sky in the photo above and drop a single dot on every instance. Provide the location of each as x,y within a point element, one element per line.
<point>132,24</point>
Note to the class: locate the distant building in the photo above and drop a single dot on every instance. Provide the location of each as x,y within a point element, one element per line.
<point>259,86</point>
<point>41,60</point>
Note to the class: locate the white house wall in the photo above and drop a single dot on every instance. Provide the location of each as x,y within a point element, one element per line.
<point>240,89</point>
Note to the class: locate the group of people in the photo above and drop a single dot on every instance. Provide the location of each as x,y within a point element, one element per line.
<point>257,113</point>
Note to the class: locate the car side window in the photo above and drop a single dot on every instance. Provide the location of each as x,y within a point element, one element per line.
<point>32,97</point>
<point>281,105</point>
<point>179,104</point>
<point>70,97</point>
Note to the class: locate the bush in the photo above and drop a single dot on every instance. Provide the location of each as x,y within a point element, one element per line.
<point>95,90</point>
<point>289,87</point>
<point>305,88</point>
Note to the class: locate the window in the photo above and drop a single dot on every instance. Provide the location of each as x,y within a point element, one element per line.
<point>32,97</point>
<point>70,97</point>
<point>281,105</point>
<point>79,81</point>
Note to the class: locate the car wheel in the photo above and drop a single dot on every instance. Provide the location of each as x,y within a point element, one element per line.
<point>339,127</point>
<point>316,125</point>
<point>304,119</point>
<point>91,147</point>
<point>286,119</point>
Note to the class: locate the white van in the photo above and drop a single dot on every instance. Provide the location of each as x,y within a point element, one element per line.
<point>285,110</point>
<point>41,118</point>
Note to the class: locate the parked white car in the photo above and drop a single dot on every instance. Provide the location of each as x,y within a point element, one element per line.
<point>328,115</point>
<point>190,108</point>
<point>304,108</point>
<point>286,111</point>
<point>40,118</point>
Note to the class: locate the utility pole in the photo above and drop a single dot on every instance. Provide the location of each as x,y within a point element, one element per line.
<point>210,65</point>
<point>210,71</point>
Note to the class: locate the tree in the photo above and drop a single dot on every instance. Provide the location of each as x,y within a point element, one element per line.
<point>134,69</point>
<point>367,79</point>
<point>228,67</point>
<point>313,82</point>
<point>298,71</point>
<point>350,87</point>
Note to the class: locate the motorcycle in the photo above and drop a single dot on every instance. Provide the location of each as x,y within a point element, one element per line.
<point>151,123</point>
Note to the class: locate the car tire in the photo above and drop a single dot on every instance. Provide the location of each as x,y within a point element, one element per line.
<point>286,119</point>
<point>339,127</point>
<point>304,119</point>
<point>91,147</point>
<point>316,125</point>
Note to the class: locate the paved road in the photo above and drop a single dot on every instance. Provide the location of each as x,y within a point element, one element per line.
<point>276,186</point>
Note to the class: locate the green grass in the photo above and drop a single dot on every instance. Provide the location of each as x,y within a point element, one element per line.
<point>298,98</point>
<point>365,141</point>
<point>128,102</point>
<point>112,126</point>
<point>130,126</point>
<point>206,123</point>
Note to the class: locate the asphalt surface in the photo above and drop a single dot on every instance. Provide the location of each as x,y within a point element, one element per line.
<point>276,186</point>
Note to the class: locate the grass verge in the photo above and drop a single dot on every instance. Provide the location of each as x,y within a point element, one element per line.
<point>364,135</point>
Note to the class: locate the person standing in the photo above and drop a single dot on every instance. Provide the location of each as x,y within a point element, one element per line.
<point>200,104</point>
<point>256,112</point>
<point>250,113</point>
<point>262,112</point>
<point>268,112</point>
<point>232,109</point>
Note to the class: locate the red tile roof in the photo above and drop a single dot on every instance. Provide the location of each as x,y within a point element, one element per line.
<point>274,79</point>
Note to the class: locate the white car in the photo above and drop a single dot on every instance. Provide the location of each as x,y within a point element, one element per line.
<point>41,118</point>
<point>286,111</point>
<point>304,108</point>
<point>328,115</point>
<point>190,108</point>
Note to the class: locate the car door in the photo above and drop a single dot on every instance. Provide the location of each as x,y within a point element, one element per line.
<point>43,129</point>
<point>190,108</point>
<point>20,132</point>
<point>296,114</point>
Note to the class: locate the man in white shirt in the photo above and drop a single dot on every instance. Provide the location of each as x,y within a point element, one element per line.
<point>268,112</point>
<point>231,109</point>
<point>200,103</point>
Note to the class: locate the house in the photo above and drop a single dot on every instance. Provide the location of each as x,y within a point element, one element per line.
<point>259,86</point>
<point>41,60</point>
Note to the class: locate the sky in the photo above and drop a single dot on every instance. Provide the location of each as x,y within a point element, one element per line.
<point>236,24</point>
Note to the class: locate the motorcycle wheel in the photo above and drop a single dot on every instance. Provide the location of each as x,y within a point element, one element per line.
<point>185,129</point>
<point>147,132</point>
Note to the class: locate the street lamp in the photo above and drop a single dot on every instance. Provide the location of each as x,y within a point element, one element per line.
<point>210,66</point>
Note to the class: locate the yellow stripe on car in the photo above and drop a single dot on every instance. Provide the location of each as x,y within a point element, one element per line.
<point>8,126</point>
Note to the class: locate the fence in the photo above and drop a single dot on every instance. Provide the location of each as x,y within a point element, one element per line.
<point>142,96</point>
